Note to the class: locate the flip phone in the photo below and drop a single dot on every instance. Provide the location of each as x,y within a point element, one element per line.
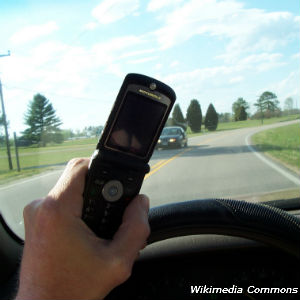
<point>120,161</point>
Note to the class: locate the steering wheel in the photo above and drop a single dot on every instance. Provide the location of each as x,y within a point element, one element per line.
<point>258,222</point>
<point>253,221</point>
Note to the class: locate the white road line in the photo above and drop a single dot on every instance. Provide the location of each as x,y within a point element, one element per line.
<point>276,167</point>
<point>28,180</point>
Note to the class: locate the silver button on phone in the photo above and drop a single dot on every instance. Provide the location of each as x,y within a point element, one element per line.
<point>112,190</point>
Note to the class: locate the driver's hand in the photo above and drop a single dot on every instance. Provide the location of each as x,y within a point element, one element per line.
<point>63,259</point>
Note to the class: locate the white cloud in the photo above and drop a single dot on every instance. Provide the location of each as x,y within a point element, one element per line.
<point>224,83</point>
<point>288,87</point>
<point>155,5</point>
<point>219,76</point>
<point>262,61</point>
<point>33,32</point>
<point>143,60</point>
<point>137,52</point>
<point>90,26</point>
<point>236,79</point>
<point>246,30</point>
<point>116,49</point>
<point>109,11</point>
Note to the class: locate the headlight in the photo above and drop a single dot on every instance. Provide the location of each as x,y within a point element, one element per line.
<point>159,141</point>
<point>172,140</point>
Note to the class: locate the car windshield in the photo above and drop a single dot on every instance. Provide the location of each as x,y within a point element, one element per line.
<point>234,66</point>
<point>170,131</point>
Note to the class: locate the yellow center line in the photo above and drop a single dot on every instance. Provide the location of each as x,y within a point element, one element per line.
<point>164,162</point>
<point>157,164</point>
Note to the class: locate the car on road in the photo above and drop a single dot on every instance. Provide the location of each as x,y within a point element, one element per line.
<point>172,137</point>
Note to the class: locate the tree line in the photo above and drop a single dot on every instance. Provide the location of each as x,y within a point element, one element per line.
<point>267,106</point>
<point>43,126</point>
<point>194,118</point>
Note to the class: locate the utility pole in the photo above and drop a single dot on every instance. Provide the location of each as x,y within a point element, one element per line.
<point>4,121</point>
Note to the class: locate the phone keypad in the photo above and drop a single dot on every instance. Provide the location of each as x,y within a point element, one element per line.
<point>108,196</point>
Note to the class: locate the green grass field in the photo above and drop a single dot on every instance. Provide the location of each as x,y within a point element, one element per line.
<point>244,124</point>
<point>281,143</point>
<point>34,160</point>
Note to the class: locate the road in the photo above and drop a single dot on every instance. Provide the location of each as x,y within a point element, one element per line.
<point>220,164</point>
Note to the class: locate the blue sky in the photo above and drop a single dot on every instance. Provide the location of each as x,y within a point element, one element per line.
<point>77,53</point>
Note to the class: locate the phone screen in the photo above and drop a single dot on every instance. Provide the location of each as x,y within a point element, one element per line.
<point>136,124</point>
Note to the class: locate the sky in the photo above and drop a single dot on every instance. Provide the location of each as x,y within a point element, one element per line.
<point>76,53</point>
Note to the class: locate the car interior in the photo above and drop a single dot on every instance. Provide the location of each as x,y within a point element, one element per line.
<point>218,242</point>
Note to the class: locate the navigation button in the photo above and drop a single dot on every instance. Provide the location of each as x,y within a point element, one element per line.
<point>112,190</point>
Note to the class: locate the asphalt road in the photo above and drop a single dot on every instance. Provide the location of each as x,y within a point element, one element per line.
<point>220,164</point>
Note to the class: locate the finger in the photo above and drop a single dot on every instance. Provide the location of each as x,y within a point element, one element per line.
<point>134,230</point>
<point>69,188</point>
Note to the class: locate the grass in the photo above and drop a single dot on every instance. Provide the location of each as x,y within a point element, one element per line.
<point>281,143</point>
<point>34,160</point>
<point>244,124</point>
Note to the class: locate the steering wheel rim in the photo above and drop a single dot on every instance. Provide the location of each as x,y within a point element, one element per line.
<point>259,222</point>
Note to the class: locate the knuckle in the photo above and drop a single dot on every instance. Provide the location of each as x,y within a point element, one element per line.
<point>75,162</point>
<point>47,211</point>
<point>121,268</point>
<point>30,209</point>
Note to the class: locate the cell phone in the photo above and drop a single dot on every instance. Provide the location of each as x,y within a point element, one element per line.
<point>120,161</point>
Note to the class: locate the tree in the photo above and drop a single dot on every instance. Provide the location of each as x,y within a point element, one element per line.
<point>211,118</point>
<point>224,117</point>
<point>237,105</point>
<point>92,131</point>
<point>194,116</point>
<point>42,121</point>
<point>178,118</point>
<point>288,104</point>
<point>267,104</point>
<point>241,114</point>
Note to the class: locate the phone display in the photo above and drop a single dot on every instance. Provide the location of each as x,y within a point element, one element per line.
<point>136,124</point>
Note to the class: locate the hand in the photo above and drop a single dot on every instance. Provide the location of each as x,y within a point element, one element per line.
<point>63,258</point>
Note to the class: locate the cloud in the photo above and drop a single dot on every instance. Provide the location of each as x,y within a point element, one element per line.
<point>33,32</point>
<point>288,87</point>
<point>223,83</point>
<point>143,60</point>
<point>236,79</point>
<point>262,61</point>
<point>109,11</point>
<point>90,26</point>
<point>245,30</point>
<point>155,5</point>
